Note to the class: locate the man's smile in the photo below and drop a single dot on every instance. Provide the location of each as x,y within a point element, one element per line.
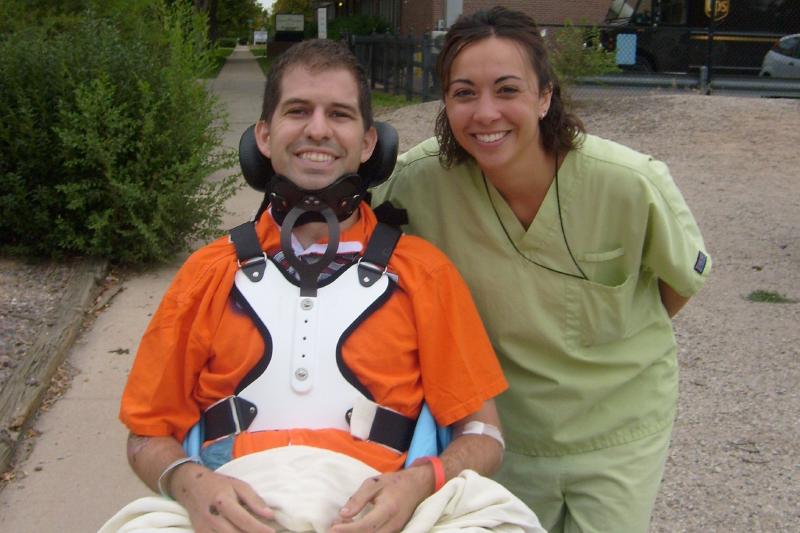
<point>316,157</point>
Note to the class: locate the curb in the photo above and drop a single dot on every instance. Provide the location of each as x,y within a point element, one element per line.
<point>767,85</point>
<point>23,394</point>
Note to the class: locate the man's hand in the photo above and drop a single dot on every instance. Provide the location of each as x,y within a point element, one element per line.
<point>394,498</point>
<point>214,502</point>
<point>218,503</point>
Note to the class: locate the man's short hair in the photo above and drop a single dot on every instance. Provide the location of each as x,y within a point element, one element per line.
<point>316,55</point>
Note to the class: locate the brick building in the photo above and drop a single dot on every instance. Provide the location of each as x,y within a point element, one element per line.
<point>421,16</point>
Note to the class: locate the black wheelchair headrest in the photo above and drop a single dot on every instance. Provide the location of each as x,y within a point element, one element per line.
<point>257,169</point>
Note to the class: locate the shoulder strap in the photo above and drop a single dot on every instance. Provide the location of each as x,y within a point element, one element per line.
<point>389,214</point>
<point>376,257</point>
<point>251,258</point>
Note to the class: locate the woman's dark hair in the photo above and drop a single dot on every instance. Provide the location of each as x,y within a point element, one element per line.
<point>316,55</point>
<point>559,128</point>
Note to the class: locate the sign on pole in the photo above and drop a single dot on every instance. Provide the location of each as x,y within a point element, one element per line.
<point>322,22</point>
<point>289,27</point>
<point>260,37</point>
<point>288,22</point>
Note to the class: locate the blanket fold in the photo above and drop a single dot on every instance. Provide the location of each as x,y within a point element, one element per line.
<point>307,486</point>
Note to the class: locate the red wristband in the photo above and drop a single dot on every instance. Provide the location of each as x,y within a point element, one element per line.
<point>438,469</point>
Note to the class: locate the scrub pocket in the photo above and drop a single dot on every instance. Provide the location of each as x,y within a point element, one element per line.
<point>598,313</point>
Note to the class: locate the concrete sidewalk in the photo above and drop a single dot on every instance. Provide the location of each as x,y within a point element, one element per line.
<point>77,475</point>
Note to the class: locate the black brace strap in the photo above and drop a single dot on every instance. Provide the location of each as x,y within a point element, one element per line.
<point>229,416</point>
<point>392,429</point>
<point>389,214</point>
<point>376,257</point>
<point>232,415</point>
<point>252,259</point>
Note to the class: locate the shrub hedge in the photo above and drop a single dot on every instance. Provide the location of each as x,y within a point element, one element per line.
<point>576,52</point>
<point>108,137</point>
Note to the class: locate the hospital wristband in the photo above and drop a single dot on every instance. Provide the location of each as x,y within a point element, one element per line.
<point>438,470</point>
<point>480,428</point>
<point>168,470</point>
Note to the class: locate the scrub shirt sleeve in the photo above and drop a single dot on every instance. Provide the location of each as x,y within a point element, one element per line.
<point>674,250</point>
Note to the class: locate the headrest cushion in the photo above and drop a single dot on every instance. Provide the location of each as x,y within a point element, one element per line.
<point>257,169</point>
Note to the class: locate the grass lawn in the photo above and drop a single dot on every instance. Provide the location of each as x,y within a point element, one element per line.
<point>387,101</point>
<point>261,56</point>
<point>769,297</point>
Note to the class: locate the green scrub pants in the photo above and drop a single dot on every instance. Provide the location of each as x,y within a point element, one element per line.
<point>611,490</point>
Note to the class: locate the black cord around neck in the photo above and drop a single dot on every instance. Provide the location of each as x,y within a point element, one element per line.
<point>560,219</point>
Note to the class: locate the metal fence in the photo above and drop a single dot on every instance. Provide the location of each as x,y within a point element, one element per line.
<point>406,66</point>
<point>399,65</point>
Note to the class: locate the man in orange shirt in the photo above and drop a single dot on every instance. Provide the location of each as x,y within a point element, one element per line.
<point>272,349</point>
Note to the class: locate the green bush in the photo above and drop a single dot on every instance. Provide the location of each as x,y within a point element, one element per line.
<point>357,25</point>
<point>576,52</point>
<point>108,137</point>
<point>227,42</point>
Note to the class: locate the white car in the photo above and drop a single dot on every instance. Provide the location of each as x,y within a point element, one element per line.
<point>783,60</point>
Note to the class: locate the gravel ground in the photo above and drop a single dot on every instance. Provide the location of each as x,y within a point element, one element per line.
<point>29,297</point>
<point>734,464</point>
<point>735,459</point>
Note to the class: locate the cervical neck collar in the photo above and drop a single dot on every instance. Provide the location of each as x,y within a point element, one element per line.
<point>342,197</point>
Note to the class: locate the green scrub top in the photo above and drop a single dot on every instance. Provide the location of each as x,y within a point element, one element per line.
<point>591,363</point>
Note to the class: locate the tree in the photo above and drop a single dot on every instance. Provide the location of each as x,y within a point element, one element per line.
<point>55,15</point>
<point>292,6</point>
<point>237,17</point>
<point>210,8</point>
<point>229,18</point>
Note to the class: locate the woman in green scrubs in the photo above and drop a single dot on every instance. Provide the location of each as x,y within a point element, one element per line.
<point>578,252</point>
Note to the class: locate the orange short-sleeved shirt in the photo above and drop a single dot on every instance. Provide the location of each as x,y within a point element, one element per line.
<point>426,340</point>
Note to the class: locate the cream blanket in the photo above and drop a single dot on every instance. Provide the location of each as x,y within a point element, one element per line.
<point>307,486</point>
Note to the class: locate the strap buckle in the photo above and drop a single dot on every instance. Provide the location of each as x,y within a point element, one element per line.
<point>369,272</point>
<point>228,416</point>
<point>253,267</point>
<point>375,423</point>
<point>234,413</point>
<point>252,261</point>
<point>372,266</point>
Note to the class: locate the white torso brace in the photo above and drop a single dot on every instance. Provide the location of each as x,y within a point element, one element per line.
<point>302,385</point>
